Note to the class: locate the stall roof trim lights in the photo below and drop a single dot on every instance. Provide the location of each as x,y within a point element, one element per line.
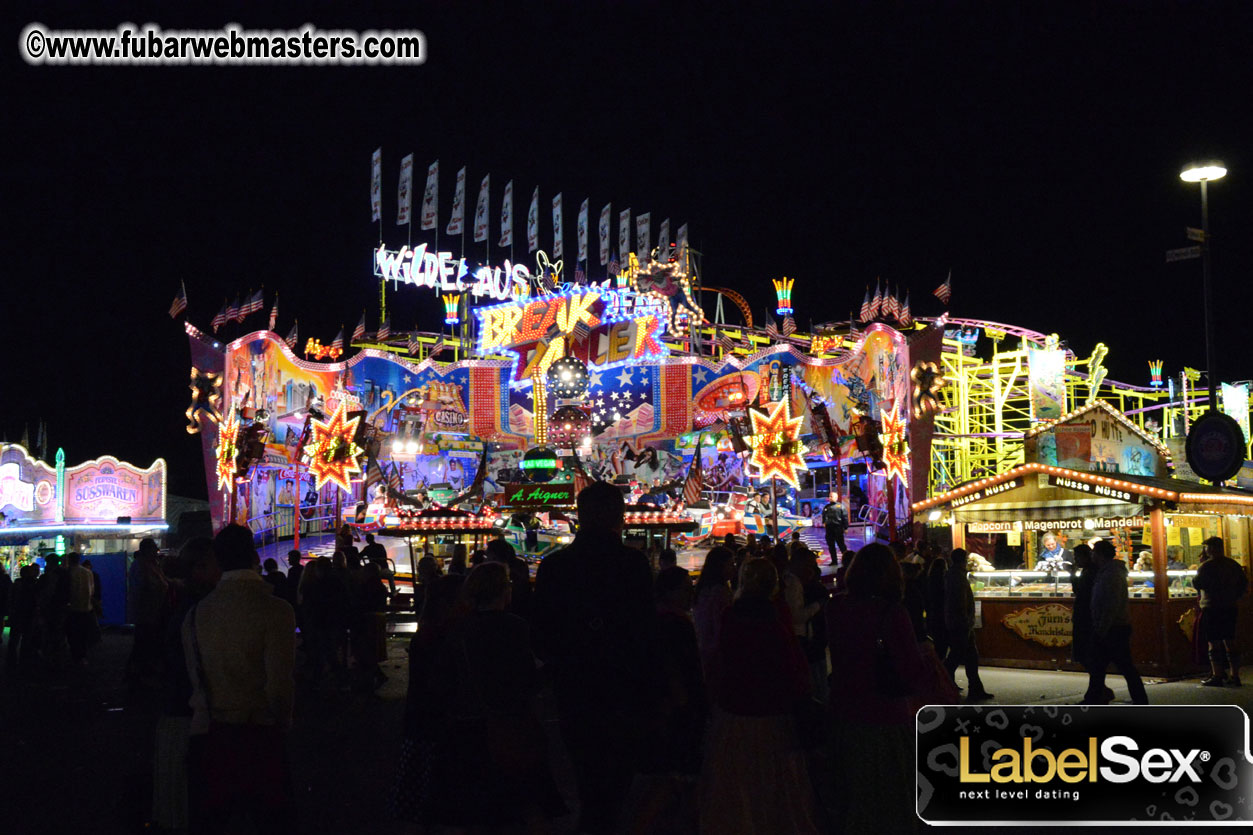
<point>1091,478</point>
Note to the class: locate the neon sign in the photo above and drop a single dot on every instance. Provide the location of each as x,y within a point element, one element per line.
<point>445,274</point>
<point>605,329</point>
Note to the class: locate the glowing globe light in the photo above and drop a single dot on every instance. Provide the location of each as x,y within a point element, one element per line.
<point>567,378</point>
<point>568,427</point>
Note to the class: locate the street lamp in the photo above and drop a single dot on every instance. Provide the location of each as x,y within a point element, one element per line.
<point>1203,173</point>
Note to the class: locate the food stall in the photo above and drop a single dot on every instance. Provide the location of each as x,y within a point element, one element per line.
<point>1026,612</point>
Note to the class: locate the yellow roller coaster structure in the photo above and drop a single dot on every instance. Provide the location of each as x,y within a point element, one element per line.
<point>986,401</point>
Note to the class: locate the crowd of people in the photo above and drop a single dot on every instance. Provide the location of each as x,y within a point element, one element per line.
<point>682,706</point>
<point>53,615</point>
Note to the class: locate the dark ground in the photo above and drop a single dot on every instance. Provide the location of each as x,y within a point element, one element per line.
<point>76,749</point>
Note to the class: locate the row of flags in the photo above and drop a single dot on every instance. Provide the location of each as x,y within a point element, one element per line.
<point>428,215</point>
<point>888,305</point>
<point>885,305</point>
<point>237,311</point>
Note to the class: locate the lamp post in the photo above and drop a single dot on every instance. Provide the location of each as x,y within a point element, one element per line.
<point>1203,173</point>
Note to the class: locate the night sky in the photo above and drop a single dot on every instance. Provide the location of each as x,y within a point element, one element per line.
<point>1033,149</point>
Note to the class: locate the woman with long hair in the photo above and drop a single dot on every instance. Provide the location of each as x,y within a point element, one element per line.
<point>878,669</point>
<point>711,598</point>
<point>754,777</point>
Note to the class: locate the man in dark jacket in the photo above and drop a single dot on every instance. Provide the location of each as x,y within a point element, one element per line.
<point>1221,583</point>
<point>1111,623</point>
<point>834,524</point>
<point>594,625</point>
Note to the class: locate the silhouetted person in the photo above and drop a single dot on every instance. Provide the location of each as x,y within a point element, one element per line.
<point>959,621</point>
<point>427,734</point>
<point>499,550</point>
<point>1221,582</point>
<point>754,777</point>
<point>1111,624</point>
<point>240,646</point>
<point>374,552</point>
<point>274,577</point>
<point>22,608</point>
<point>485,671</point>
<point>78,621</point>
<point>595,625</point>
<point>712,597</point>
<point>170,800</point>
<point>147,588</point>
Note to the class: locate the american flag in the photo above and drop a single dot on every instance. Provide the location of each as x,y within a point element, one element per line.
<point>220,319</point>
<point>274,312</point>
<point>906,318</point>
<point>772,330</point>
<point>413,344</point>
<point>725,342</point>
<point>876,303</point>
<point>439,345</point>
<point>695,481</point>
<point>890,306</point>
<point>789,326</point>
<point>338,342</point>
<point>292,335</point>
<point>613,265</point>
<point>358,333</point>
<point>581,480</point>
<point>256,302</point>
<point>385,330</point>
<point>865,307</point>
<point>580,277</point>
<point>232,311</point>
<point>945,291</point>
<point>394,480</point>
<point>180,301</point>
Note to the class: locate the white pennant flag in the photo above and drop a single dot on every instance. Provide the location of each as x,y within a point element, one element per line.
<point>456,222</point>
<point>506,216</point>
<point>480,209</point>
<point>624,235</point>
<point>532,222</point>
<point>663,240</point>
<point>604,234</point>
<point>430,198</point>
<point>582,230</point>
<point>643,226</point>
<point>558,234</point>
<point>680,239</point>
<point>376,185</point>
<point>404,194</point>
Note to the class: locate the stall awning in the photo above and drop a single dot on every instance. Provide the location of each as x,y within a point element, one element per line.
<point>1043,492</point>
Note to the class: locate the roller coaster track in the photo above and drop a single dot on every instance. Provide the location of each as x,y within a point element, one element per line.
<point>736,299</point>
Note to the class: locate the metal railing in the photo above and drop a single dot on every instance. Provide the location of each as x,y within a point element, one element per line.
<point>280,523</point>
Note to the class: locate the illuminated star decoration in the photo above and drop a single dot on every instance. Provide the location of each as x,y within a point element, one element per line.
<point>776,450</point>
<point>205,386</point>
<point>928,381</point>
<point>228,431</point>
<point>333,455</point>
<point>895,444</point>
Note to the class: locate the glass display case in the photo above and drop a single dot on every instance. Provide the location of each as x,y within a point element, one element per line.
<point>1026,584</point>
